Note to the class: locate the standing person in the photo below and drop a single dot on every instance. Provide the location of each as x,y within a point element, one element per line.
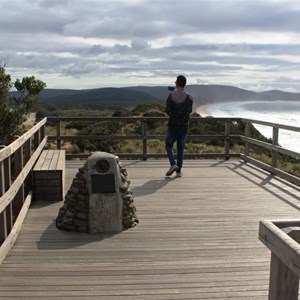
<point>178,107</point>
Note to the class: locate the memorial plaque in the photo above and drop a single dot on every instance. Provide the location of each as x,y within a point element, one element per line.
<point>103,183</point>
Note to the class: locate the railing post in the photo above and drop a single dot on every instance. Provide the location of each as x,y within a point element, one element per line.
<point>275,143</point>
<point>27,150</point>
<point>3,221</point>
<point>284,284</point>
<point>36,140</point>
<point>42,132</point>
<point>58,134</point>
<point>7,184</point>
<point>227,139</point>
<point>20,196</point>
<point>247,135</point>
<point>6,217</point>
<point>144,133</point>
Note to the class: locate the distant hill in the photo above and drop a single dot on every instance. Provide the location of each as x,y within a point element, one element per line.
<point>204,94</point>
<point>131,96</point>
<point>95,97</point>
<point>51,93</point>
<point>279,95</point>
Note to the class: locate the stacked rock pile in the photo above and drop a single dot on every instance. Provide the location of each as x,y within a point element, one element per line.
<point>74,214</point>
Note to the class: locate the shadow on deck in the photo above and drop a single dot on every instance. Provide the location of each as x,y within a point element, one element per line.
<point>197,239</point>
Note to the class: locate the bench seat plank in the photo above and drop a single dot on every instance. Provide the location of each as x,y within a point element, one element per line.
<point>49,176</point>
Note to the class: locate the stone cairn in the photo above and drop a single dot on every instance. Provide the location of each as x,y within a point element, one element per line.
<point>74,214</point>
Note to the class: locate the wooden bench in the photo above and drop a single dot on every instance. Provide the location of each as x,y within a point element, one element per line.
<point>49,176</point>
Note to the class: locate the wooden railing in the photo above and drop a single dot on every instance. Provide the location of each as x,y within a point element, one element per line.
<point>275,149</point>
<point>145,137</point>
<point>282,238</point>
<point>227,138</point>
<point>16,163</point>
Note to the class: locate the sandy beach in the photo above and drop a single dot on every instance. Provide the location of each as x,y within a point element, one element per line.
<point>201,110</point>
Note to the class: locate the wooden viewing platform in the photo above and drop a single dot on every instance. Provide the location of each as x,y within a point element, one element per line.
<point>197,239</point>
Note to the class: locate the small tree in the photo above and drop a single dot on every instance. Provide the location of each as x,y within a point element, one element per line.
<point>15,106</point>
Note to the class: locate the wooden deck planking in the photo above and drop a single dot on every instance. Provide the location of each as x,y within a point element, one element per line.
<point>197,239</point>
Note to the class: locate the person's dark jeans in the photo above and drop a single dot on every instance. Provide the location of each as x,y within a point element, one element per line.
<point>180,138</point>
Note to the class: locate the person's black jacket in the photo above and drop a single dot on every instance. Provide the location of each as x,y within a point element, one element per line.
<point>178,107</point>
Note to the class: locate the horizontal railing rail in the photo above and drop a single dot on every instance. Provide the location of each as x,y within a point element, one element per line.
<point>16,163</point>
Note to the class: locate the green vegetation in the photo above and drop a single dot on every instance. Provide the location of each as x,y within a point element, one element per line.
<point>14,108</point>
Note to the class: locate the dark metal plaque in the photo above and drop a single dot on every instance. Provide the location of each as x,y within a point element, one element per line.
<point>103,183</point>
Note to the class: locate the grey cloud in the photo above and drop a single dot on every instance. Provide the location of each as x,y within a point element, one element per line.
<point>79,69</point>
<point>53,3</point>
<point>138,44</point>
<point>60,37</point>
<point>286,79</point>
<point>29,19</point>
<point>221,16</point>
<point>95,50</point>
<point>271,49</point>
<point>150,19</point>
<point>106,27</point>
<point>39,62</point>
<point>190,57</point>
<point>40,43</point>
<point>121,49</point>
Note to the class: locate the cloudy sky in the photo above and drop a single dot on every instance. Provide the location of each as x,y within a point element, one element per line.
<point>252,44</point>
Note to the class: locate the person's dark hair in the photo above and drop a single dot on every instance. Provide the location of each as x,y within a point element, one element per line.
<point>181,80</point>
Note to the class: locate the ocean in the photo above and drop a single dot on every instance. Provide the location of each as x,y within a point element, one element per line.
<point>282,112</point>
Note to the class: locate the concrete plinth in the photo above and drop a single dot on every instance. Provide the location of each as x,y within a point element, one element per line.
<point>105,200</point>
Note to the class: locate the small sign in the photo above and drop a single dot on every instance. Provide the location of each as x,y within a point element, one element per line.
<point>103,183</point>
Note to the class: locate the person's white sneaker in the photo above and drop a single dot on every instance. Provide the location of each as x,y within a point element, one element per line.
<point>179,174</point>
<point>172,170</point>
